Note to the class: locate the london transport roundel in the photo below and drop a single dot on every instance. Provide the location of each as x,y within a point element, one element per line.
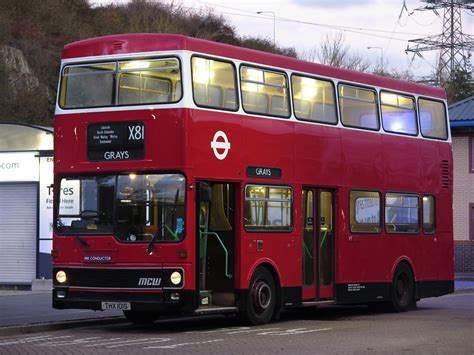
<point>220,145</point>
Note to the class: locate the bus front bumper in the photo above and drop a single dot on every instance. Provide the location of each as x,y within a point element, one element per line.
<point>168,301</point>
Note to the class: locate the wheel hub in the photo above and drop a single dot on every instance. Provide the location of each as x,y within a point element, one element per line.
<point>261,296</point>
<point>402,285</point>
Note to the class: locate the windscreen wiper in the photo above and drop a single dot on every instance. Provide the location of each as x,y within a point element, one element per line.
<point>82,241</point>
<point>151,246</point>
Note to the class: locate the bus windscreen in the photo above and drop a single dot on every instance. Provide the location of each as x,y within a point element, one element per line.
<point>134,207</point>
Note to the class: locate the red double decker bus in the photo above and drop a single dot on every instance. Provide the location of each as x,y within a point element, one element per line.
<point>198,177</point>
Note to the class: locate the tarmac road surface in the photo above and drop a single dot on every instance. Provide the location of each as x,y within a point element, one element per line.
<point>442,325</point>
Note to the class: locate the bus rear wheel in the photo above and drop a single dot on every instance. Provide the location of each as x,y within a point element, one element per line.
<point>403,289</point>
<point>261,301</point>
<point>138,317</point>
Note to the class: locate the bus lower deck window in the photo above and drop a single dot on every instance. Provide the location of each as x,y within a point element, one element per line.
<point>364,212</point>
<point>268,208</point>
<point>401,213</point>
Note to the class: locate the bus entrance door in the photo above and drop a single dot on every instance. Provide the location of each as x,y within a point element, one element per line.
<point>215,244</point>
<point>318,244</point>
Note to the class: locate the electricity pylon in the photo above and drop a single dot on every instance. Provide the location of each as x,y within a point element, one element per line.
<point>454,45</point>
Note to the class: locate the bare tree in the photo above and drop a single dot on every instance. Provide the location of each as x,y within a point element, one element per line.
<point>334,51</point>
<point>394,73</point>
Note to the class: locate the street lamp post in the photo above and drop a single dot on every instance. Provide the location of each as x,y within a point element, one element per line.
<point>273,14</point>
<point>381,56</point>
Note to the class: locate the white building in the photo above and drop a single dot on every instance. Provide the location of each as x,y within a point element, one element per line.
<point>26,203</point>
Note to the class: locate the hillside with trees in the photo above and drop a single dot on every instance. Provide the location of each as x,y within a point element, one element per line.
<point>33,33</point>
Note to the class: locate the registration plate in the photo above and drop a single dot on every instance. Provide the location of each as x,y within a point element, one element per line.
<point>116,306</point>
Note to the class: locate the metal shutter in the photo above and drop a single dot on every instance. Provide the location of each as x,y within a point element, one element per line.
<point>18,232</point>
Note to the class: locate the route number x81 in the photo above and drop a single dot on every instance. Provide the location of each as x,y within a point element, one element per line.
<point>136,133</point>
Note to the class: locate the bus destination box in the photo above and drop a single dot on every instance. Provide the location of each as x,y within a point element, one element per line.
<point>116,141</point>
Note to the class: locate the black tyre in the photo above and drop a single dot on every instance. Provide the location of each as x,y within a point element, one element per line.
<point>403,289</point>
<point>260,304</point>
<point>137,317</point>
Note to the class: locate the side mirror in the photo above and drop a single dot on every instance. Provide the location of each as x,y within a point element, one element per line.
<point>205,192</point>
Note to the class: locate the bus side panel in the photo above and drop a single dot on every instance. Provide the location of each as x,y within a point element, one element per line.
<point>401,164</point>
<point>206,127</point>
<point>251,143</point>
<point>363,170</point>
<point>363,162</point>
<point>317,155</point>
<point>430,166</point>
<point>271,144</point>
<point>444,216</point>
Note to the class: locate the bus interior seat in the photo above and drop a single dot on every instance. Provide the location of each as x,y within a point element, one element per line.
<point>210,95</point>
<point>324,112</point>
<point>230,99</point>
<point>302,108</point>
<point>177,91</point>
<point>256,102</point>
<point>279,106</point>
<point>368,120</point>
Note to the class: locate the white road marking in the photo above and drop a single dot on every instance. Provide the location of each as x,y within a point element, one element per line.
<point>70,342</point>
<point>20,341</point>
<point>251,330</point>
<point>30,340</point>
<point>220,330</point>
<point>159,340</point>
<point>296,331</point>
<point>174,346</point>
<point>107,341</point>
<point>124,342</point>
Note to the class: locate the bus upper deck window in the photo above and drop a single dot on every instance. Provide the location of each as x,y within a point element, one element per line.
<point>432,119</point>
<point>90,85</point>
<point>358,107</point>
<point>214,84</point>
<point>314,99</point>
<point>264,92</point>
<point>398,113</point>
<point>150,81</point>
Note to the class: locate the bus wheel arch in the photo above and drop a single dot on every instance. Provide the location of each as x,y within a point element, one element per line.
<point>263,301</point>
<point>403,287</point>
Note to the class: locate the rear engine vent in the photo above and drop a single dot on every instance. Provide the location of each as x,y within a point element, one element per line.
<point>117,47</point>
<point>445,173</point>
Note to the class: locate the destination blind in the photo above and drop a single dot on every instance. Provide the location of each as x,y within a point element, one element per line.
<point>116,141</point>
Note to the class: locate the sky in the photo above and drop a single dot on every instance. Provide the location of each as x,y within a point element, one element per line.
<point>303,24</point>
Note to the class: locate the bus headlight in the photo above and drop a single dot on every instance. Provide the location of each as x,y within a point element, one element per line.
<point>176,278</point>
<point>61,277</point>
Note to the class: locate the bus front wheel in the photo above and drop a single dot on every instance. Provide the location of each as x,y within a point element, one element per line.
<point>260,305</point>
<point>137,317</point>
<point>403,289</point>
